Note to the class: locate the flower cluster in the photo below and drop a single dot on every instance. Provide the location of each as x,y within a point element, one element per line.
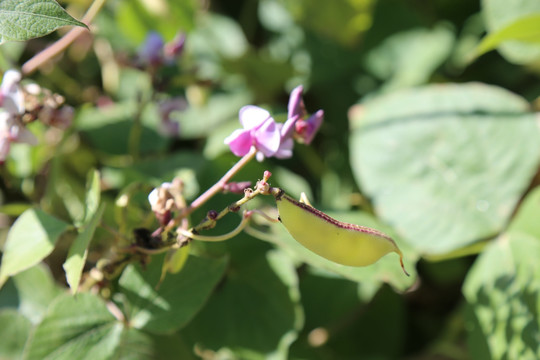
<point>261,131</point>
<point>155,52</point>
<point>20,105</point>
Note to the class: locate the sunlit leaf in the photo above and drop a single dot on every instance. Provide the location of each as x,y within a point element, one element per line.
<point>526,29</point>
<point>500,14</point>
<point>435,161</point>
<point>31,238</point>
<point>78,252</point>
<point>25,19</point>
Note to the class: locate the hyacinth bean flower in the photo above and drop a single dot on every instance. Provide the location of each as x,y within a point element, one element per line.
<point>11,107</point>
<point>305,129</point>
<point>272,139</point>
<point>259,130</point>
<point>155,52</point>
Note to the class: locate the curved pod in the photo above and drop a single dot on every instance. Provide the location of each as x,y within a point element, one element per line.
<point>340,242</point>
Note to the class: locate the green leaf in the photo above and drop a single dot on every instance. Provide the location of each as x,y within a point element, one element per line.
<point>78,327</point>
<point>30,292</point>
<point>138,345</point>
<point>500,14</point>
<point>526,219</point>
<point>409,58</point>
<point>174,261</point>
<point>525,29</point>
<point>386,270</point>
<point>26,19</point>
<point>436,161</point>
<point>502,289</point>
<point>257,309</point>
<point>13,332</point>
<point>93,196</point>
<point>76,259</point>
<point>178,298</point>
<point>31,238</point>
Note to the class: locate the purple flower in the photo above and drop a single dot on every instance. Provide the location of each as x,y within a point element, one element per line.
<point>155,52</point>
<point>271,139</point>
<point>305,130</point>
<point>174,49</point>
<point>151,52</point>
<point>259,130</point>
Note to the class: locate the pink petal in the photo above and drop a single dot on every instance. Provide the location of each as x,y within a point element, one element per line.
<point>287,129</point>
<point>240,141</point>
<point>4,149</point>
<point>285,149</point>
<point>314,123</point>
<point>296,106</point>
<point>252,117</point>
<point>268,138</point>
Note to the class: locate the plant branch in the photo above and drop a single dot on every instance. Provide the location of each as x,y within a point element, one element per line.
<point>61,44</point>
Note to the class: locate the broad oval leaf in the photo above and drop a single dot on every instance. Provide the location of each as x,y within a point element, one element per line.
<point>26,19</point>
<point>31,238</point>
<point>445,164</point>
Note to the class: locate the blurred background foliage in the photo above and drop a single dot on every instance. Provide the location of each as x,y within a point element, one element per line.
<point>421,139</point>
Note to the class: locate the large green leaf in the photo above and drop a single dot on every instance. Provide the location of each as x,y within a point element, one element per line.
<point>31,238</point>
<point>177,299</point>
<point>499,14</point>
<point>503,290</point>
<point>409,58</point>
<point>13,332</point>
<point>25,19</point>
<point>255,313</point>
<point>445,164</point>
<point>78,327</point>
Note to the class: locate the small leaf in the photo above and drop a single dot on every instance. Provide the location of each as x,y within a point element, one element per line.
<point>179,297</point>
<point>31,238</point>
<point>26,19</point>
<point>525,29</point>
<point>74,264</point>
<point>93,194</point>
<point>75,328</point>
<point>174,261</point>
